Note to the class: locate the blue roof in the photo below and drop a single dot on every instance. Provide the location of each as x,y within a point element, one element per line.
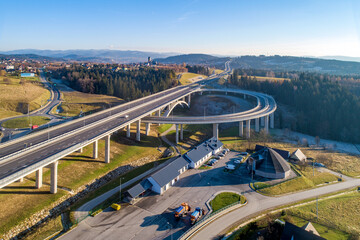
<point>170,171</point>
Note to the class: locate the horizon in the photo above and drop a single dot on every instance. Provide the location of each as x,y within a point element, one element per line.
<point>317,29</point>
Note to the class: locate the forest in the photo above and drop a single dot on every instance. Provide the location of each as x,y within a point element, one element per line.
<point>323,107</point>
<point>198,69</point>
<point>125,84</point>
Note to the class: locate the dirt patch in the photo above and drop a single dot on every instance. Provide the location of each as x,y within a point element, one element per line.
<point>217,105</point>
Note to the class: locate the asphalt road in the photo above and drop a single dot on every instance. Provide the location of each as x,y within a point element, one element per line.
<point>44,111</point>
<point>50,149</point>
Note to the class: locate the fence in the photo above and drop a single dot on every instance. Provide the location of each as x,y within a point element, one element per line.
<point>209,218</point>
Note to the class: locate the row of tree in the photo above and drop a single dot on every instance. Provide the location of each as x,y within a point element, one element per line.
<point>323,107</point>
<point>199,69</point>
<point>127,85</point>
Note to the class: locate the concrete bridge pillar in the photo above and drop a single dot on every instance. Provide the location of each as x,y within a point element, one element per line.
<point>257,125</point>
<point>189,99</point>
<point>159,113</point>
<point>107,149</point>
<point>262,119</point>
<point>20,180</point>
<point>266,119</point>
<point>95,149</point>
<point>148,128</point>
<point>216,130</point>
<point>247,130</point>
<point>272,120</point>
<point>181,132</point>
<point>39,178</point>
<point>241,128</point>
<point>177,134</point>
<point>53,178</point>
<point>128,130</point>
<point>138,123</point>
<point>80,150</point>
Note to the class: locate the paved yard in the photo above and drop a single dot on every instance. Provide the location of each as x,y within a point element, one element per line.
<point>152,217</point>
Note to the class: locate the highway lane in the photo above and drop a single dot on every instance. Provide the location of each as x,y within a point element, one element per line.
<point>50,149</point>
<point>21,144</point>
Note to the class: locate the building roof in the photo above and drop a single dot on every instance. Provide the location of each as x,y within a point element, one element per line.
<point>268,160</point>
<point>292,232</point>
<point>310,228</point>
<point>199,152</point>
<point>285,154</point>
<point>214,143</point>
<point>139,188</point>
<point>298,155</point>
<point>170,171</point>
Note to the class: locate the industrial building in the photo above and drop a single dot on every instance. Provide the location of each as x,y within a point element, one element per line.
<point>163,179</point>
<point>198,155</point>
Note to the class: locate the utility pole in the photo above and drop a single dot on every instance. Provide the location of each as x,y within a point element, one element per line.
<point>317,208</point>
<point>120,190</point>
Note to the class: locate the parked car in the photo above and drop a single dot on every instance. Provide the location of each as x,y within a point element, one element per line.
<point>212,162</point>
<point>230,167</point>
<point>221,155</point>
<point>237,161</point>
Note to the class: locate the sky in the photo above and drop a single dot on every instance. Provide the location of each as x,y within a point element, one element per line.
<point>238,27</point>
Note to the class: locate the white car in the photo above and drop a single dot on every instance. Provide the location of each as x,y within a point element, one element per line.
<point>230,167</point>
<point>126,116</point>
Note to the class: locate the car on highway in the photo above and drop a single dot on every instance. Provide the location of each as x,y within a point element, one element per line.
<point>126,116</point>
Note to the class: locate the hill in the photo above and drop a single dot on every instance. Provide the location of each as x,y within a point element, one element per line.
<point>27,57</point>
<point>203,59</point>
<point>288,63</point>
<point>94,55</point>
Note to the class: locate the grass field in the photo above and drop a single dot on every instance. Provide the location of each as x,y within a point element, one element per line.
<point>24,122</point>
<point>224,199</point>
<point>164,127</point>
<point>187,78</point>
<point>15,96</point>
<point>270,79</point>
<point>75,171</point>
<point>341,213</point>
<point>75,102</point>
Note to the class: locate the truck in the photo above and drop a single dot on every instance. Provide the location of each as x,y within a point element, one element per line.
<point>182,210</point>
<point>196,215</point>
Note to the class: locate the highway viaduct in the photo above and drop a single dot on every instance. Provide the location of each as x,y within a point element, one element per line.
<point>23,156</point>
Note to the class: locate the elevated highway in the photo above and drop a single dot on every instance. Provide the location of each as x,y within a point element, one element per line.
<point>31,153</point>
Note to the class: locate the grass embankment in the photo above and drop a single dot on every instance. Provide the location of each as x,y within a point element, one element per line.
<point>19,201</point>
<point>75,102</point>
<point>306,181</point>
<point>187,78</point>
<point>16,94</point>
<point>25,122</point>
<point>193,134</point>
<point>164,127</point>
<point>224,199</point>
<point>339,218</point>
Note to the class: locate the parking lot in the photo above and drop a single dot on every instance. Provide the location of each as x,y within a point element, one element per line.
<point>153,216</point>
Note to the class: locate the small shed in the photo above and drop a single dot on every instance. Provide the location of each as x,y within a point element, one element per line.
<point>298,155</point>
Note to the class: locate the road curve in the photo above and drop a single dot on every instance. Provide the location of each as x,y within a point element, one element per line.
<point>254,208</point>
<point>266,105</point>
